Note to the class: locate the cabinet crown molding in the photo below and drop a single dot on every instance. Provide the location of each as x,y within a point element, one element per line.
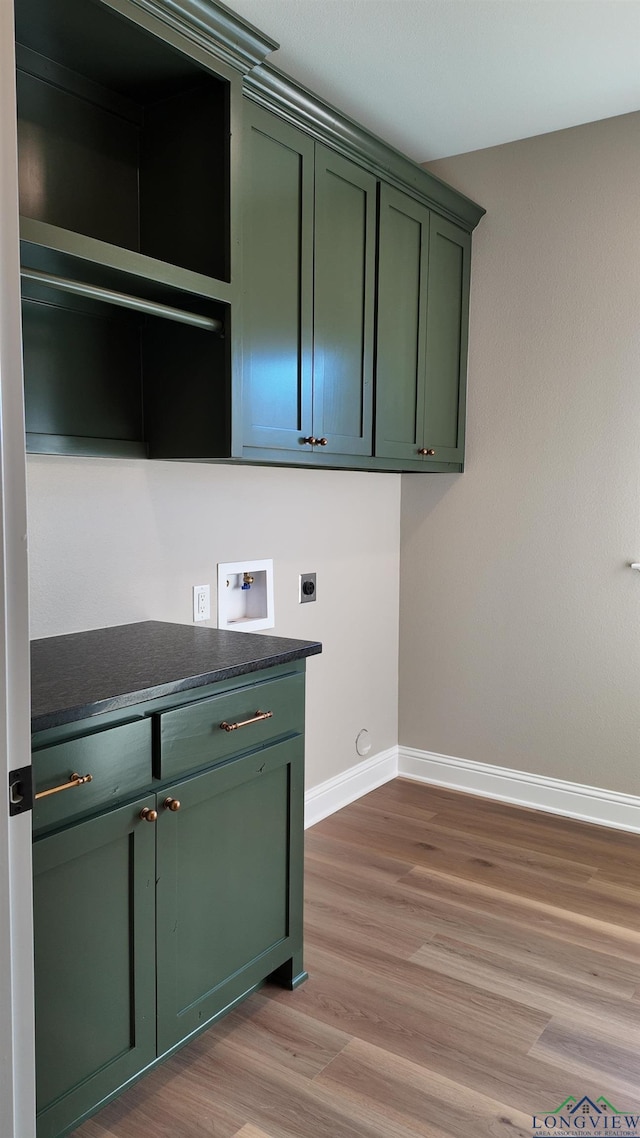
<point>278,92</point>
<point>213,27</point>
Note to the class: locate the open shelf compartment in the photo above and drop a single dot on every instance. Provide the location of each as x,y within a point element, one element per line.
<point>103,378</point>
<point>122,138</point>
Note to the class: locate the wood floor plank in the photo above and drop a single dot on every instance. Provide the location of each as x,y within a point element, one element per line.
<point>371,865</point>
<point>298,1043</point>
<point>417,1097</point>
<point>280,1102</point>
<point>577,1051</point>
<point>614,1017</point>
<point>531,829</point>
<point>471,964</point>
<point>453,1010</point>
<point>469,857</point>
<point>496,1069</point>
<point>539,912</point>
<point>356,914</point>
<point>250,1131</point>
<point>448,845</point>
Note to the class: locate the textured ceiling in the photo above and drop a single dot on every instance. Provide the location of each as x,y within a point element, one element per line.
<point>441,77</point>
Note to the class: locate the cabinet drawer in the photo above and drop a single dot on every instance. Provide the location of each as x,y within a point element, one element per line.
<point>194,736</point>
<point>118,760</point>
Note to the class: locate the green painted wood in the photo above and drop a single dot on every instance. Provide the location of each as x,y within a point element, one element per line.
<point>118,760</point>
<point>171,390</point>
<point>344,297</point>
<point>277,282</point>
<point>317,459</point>
<point>81,368</point>
<point>228,905</point>
<point>191,737</point>
<point>403,258</point>
<point>269,87</point>
<point>61,251</point>
<point>94,951</point>
<point>209,31</point>
<point>109,138</point>
<point>184,180</point>
<point>83,445</point>
<point>447,331</point>
<point>77,163</point>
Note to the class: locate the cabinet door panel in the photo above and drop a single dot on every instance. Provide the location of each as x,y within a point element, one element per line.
<point>94,955</point>
<point>447,321</point>
<point>229,885</point>
<point>277,275</point>
<point>402,303</point>
<point>343,304</point>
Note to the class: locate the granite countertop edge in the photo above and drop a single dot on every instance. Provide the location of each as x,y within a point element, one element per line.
<point>69,710</point>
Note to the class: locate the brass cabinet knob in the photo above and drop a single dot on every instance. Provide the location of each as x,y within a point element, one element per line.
<point>148,815</point>
<point>425,450</point>
<point>322,442</point>
<point>311,441</point>
<point>171,804</point>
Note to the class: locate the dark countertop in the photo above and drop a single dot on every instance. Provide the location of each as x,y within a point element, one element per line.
<point>88,673</point>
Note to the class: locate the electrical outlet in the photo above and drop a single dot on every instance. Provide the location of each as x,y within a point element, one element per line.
<point>201,602</point>
<point>307,587</point>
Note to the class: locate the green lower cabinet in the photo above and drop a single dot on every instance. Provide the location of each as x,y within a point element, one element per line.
<point>152,919</point>
<point>229,886</point>
<point>423,306</point>
<point>94,906</point>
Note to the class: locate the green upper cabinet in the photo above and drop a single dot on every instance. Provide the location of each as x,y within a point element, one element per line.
<point>309,291</point>
<point>344,294</point>
<point>278,275</point>
<point>423,303</point>
<point>401,332</point>
<point>447,333</point>
<point>199,257</point>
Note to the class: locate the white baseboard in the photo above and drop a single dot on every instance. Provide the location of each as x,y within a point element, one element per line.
<point>337,792</point>
<point>554,795</point>
<point>571,799</point>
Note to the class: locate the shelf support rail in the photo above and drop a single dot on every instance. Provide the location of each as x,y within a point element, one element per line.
<point>123,299</point>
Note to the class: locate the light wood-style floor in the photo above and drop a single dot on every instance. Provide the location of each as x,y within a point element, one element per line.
<point>470,964</point>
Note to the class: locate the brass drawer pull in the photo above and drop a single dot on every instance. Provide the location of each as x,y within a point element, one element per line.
<point>426,450</point>
<point>311,441</point>
<point>172,804</point>
<point>246,722</point>
<point>148,815</point>
<point>74,780</point>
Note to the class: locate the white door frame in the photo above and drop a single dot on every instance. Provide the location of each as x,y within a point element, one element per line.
<point>17,1065</point>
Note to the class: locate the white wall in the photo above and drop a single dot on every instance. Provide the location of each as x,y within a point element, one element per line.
<point>114,541</point>
<point>520,620</point>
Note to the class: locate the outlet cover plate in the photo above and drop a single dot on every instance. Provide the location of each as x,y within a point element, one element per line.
<point>201,602</point>
<point>308,588</point>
